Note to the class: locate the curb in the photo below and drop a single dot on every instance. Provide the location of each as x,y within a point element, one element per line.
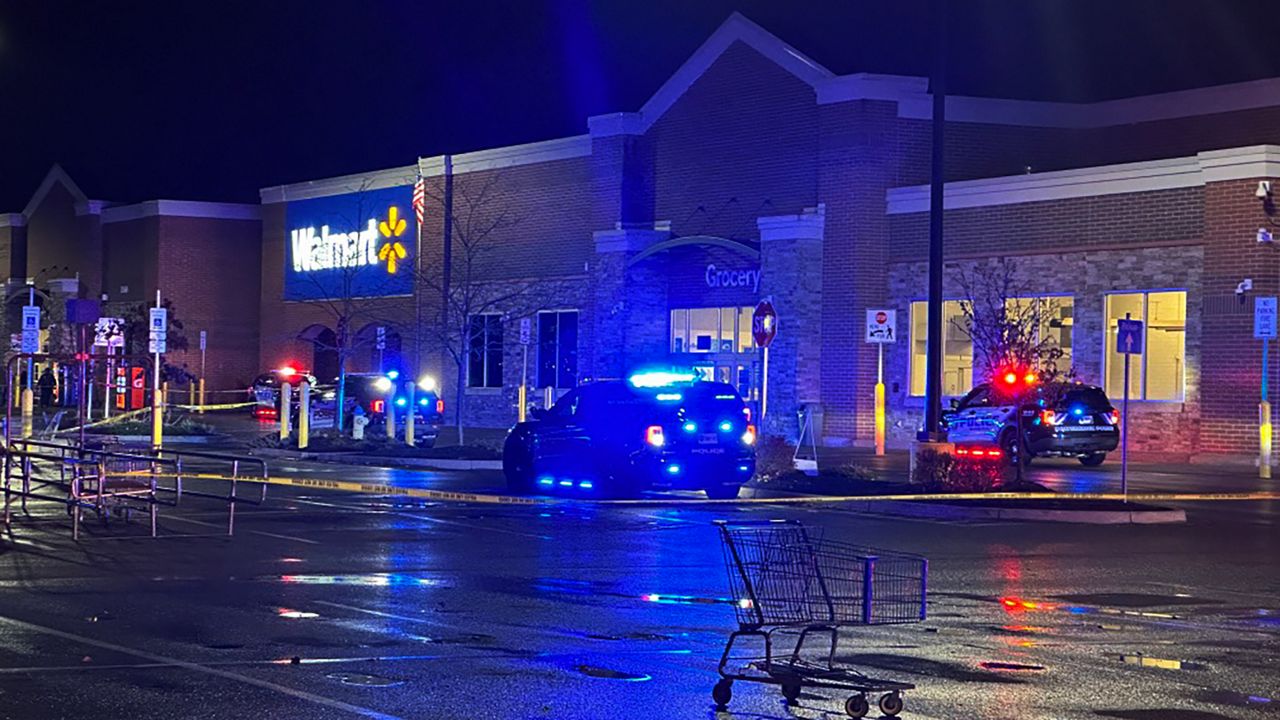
<point>168,439</point>
<point>943,511</point>
<point>350,458</point>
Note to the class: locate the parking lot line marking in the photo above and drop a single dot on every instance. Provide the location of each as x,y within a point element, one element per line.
<point>197,667</point>
<point>472,526</point>
<point>255,532</point>
<point>379,613</point>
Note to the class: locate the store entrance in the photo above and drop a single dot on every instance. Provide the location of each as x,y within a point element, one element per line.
<point>716,342</point>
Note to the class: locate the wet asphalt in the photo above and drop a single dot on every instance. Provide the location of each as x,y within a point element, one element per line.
<point>333,605</point>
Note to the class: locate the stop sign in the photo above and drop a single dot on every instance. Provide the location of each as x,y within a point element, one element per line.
<point>764,323</point>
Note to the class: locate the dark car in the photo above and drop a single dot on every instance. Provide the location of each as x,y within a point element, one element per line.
<point>369,394</point>
<point>1059,420</point>
<point>265,390</point>
<point>619,438</point>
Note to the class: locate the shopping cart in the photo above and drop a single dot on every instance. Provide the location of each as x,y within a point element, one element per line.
<point>788,582</point>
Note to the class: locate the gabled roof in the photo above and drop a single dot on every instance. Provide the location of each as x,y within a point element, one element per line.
<point>55,176</point>
<point>736,29</point>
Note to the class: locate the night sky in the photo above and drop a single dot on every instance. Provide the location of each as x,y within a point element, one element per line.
<point>213,100</point>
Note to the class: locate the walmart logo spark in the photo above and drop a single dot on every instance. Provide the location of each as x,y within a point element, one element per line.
<point>393,227</point>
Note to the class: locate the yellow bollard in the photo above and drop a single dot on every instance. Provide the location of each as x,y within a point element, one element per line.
<point>28,402</point>
<point>1264,439</point>
<point>201,394</point>
<point>879,418</point>
<point>157,420</point>
<point>304,414</point>
<point>286,408</point>
<point>390,414</point>
<point>191,393</point>
<point>409,422</point>
<point>522,399</point>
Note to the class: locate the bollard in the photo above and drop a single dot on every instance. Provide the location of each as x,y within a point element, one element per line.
<point>201,394</point>
<point>164,388</point>
<point>522,400</point>
<point>286,407</point>
<point>191,393</point>
<point>28,401</point>
<point>410,417</point>
<point>157,420</point>
<point>548,397</point>
<point>390,415</point>
<point>304,414</point>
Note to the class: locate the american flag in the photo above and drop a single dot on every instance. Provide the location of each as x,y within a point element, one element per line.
<point>420,199</point>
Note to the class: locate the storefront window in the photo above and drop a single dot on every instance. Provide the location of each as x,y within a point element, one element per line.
<point>711,330</point>
<point>484,357</point>
<point>558,349</point>
<point>1056,322</point>
<point>957,349</point>
<point>1159,372</point>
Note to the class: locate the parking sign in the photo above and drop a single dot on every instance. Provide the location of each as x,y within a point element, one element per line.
<point>1264,318</point>
<point>1129,337</point>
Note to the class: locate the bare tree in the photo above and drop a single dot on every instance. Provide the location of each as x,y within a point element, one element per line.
<point>478,286</point>
<point>1007,323</point>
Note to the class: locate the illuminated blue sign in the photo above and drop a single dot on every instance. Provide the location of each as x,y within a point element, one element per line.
<point>357,245</point>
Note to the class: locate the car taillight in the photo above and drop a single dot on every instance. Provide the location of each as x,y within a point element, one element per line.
<point>654,436</point>
<point>378,406</point>
<point>1049,417</point>
<point>746,411</point>
<point>749,437</point>
<point>439,406</point>
<point>1113,416</point>
<point>978,452</point>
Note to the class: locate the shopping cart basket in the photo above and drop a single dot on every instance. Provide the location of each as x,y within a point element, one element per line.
<point>787,582</point>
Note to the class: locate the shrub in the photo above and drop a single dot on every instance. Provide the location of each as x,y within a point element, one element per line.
<point>941,472</point>
<point>775,457</point>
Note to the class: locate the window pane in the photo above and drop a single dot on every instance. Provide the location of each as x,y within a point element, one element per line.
<point>1164,351</point>
<point>567,374</point>
<point>919,339</point>
<point>957,351</point>
<point>679,331</point>
<point>725,343</point>
<point>704,328</point>
<point>744,329</point>
<point>546,349</point>
<point>493,351</point>
<point>1117,306</point>
<point>475,351</point>
<point>1059,320</point>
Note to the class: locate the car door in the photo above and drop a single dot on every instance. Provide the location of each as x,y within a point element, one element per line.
<point>561,444</point>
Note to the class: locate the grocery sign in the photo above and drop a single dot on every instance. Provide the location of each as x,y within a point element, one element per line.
<point>356,245</point>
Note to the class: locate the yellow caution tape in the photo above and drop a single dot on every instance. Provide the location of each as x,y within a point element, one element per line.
<point>211,406</point>
<point>107,421</point>
<point>445,495</point>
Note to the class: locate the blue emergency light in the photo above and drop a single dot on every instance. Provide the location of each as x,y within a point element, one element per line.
<point>660,378</point>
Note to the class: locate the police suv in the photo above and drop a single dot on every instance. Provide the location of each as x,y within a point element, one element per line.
<point>1058,419</point>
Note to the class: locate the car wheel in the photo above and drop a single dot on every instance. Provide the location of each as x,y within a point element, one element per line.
<point>517,465</point>
<point>1014,451</point>
<point>723,492</point>
<point>1093,459</point>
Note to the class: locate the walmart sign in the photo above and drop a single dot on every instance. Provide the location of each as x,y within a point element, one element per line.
<point>356,245</point>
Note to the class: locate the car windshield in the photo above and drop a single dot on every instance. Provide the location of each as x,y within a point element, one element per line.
<point>1090,397</point>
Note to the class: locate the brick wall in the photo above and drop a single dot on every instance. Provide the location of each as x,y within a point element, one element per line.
<point>1085,276</point>
<point>1232,358</point>
<point>740,143</point>
<point>202,269</point>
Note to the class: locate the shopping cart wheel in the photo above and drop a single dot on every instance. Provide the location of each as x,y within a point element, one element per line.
<point>722,693</point>
<point>857,706</point>
<point>891,704</point>
<point>791,691</point>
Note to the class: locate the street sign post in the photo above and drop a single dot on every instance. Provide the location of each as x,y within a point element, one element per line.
<point>882,328</point>
<point>159,330</point>
<point>1128,342</point>
<point>1264,329</point>
<point>764,328</point>
<point>380,344</point>
<point>526,335</point>
<point>204,345</point>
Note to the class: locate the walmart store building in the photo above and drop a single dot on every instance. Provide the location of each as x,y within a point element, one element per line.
<point>754,171</point>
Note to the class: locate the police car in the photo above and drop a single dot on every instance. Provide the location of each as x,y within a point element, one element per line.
<point>621,437</point>
<point>1058,420</point>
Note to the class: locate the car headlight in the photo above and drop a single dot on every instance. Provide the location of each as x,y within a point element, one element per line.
<point>427,383</point>
<point>382,384</point>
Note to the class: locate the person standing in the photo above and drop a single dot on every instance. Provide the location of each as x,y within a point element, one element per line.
<point>47,385</point>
